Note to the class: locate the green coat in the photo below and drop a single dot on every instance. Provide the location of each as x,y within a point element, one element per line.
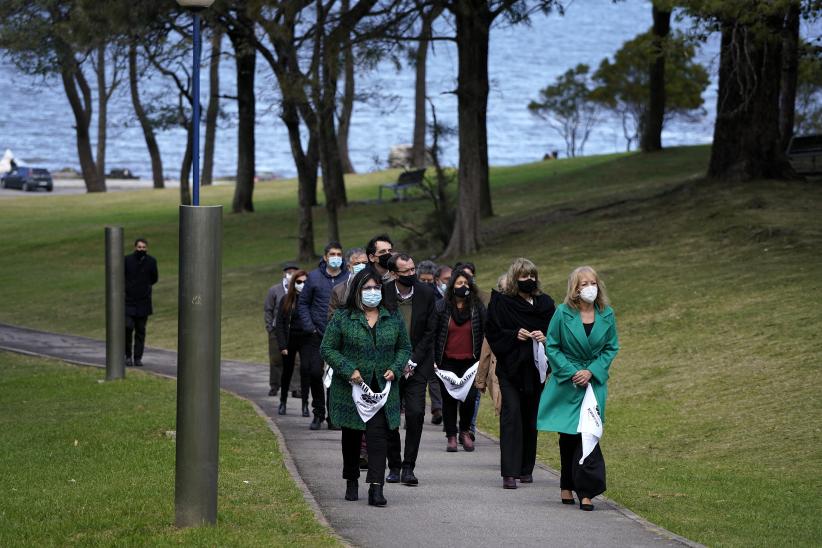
<point>569,350</point>
<point>348,345</point>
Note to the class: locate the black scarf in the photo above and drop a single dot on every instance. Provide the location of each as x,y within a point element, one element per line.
<point>461,315</point>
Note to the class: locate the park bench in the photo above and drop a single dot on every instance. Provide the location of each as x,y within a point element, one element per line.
<point>805,153</point>
<point>406,180</point>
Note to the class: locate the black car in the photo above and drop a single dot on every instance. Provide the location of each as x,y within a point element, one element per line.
<point>28,179</point>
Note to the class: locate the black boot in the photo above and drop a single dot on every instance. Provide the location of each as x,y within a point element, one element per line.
<point>375,497</point>
<point>352,490</point>
<point>305,409</point>
<point>407,476</point>
<point>281,409</point>
<point>316,423</point>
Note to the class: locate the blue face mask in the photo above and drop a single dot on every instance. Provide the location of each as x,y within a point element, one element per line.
<point>357,268</point>
<point>371,297</point>
<point>335,262</point>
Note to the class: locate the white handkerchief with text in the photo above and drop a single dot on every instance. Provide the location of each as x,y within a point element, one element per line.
<point>458,387</point>
<point>367,401</point>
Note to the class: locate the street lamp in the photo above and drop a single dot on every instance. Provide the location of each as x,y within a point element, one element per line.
<point>198,335</point>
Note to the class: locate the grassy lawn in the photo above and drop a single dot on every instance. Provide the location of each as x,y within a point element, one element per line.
<point>716,287</point>
<point>86,463</point>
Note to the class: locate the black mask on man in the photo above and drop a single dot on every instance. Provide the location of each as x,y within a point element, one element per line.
<point>140,253</point>
<point>527,286</point>
<point>383,260</point>
<point>407,281</point>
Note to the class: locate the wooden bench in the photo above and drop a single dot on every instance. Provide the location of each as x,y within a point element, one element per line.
<point>406,180</point>
<point>805,153</point>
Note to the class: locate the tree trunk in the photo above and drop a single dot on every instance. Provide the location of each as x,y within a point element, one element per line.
<point>213,107</point>
<point>747,142</point>
<point>185,169</point>
<point>347,105</point>
<point>246,64</point>
<point>72,77</point>
<point>307,179</point>
<point>102,115</point>
<point>473,26</point>
<point>790,72</point>
<point>651,132</point>
<point>145,123</point>
<point>418,158</point>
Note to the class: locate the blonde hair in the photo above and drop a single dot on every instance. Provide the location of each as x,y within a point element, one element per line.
<point>572,296</point>
<point>520,267</point>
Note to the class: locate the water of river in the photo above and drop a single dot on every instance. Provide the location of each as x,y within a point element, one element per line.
<point>38,124</point>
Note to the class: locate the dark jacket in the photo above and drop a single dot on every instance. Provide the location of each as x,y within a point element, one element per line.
<point>272,304</point>
<point>444,312</point>
<point>313,302</point>
<point>288,326</point>
<point>423,324</point>
<point>515,358</point>
<point>141,274</point>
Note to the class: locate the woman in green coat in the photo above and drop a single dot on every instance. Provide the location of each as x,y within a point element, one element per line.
<point>365,343</point>
<point>580,346</point>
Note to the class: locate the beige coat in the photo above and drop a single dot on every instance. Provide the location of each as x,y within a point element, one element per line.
<point>487,375</point>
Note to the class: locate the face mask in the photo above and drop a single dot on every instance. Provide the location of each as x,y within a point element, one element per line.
<point>443,288</point>
<point>371,297</point>
<point>527,286</point>
<point>299,286</point>
<point>357,268</point>
<point>335,262</point>
<point>588,293</point>
<point>407,281</point>
<point>463,291</point>
<point>140,254</point>
<point>383,260</point>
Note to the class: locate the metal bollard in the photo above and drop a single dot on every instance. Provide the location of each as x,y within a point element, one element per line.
<point>115,305</point>
<point>198,365</point>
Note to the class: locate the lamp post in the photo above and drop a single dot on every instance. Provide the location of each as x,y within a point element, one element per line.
<point>198,335</point>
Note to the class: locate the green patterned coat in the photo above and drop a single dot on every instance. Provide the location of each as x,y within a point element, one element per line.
<point>348,345</point>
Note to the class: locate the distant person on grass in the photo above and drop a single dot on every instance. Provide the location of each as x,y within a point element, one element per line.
<point>272,303</point>
<point>141,274</point>
<point>582,343</point>
<point>365,343</point>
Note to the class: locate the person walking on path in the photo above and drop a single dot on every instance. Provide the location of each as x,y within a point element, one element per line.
<point>487,371</point>
<point>312,308</point>
<point>355,261</point>
<point>581,345</point>
<point>379,250</point>
<point>141,273</point>
<point>365,343</point>
<point>272,303</point>
<point>291,340</point>
<point>517,318</point>
<point>459,333</point>
<point>416,303</point>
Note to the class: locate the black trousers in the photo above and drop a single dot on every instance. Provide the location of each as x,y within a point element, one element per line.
<point>518,430</point>
<point>434,393</point>
<point>295,347</point>
<point>376,433</point>
<point>136,325</point>
<point>452,409</point>
<point>311,367</point>
<point>412,392</point>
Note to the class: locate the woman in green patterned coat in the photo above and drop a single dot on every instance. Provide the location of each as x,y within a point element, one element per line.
<point>365,343</point>
<point>581,344</point>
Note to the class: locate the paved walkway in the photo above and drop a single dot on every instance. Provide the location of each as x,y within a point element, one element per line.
<point>459,502</point>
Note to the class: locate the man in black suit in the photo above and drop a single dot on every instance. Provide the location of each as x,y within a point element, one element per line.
<point>141,274</point>
<point>415,302</point>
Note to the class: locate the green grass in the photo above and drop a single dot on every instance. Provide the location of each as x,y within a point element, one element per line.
<point>88,463</point>
<point>711,419</point>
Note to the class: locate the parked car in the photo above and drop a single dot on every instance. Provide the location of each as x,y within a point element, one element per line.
<point>28,179</point>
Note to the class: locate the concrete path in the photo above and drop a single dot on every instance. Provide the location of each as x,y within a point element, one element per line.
<point>459,502</point>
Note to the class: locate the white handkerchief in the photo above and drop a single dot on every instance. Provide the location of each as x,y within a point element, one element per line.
<point>409,369</point>
<point>540,360</point>
<point>590,423</point>
<point>458,387</point>
<point>329,372</point>
<point>368,402</point>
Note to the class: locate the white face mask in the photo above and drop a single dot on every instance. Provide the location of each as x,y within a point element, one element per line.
<point>588,293</point>
<point>357,268</point>
<point>443,287</point>
<point>299,286</point>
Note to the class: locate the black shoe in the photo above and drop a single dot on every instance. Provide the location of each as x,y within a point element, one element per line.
<point>407,477</point>
<point>272,392</point>
<point>393,476</point>
<point>129,363</point>
<point>363,462</point>
<point>295,394</point>
<point>352,490</point>
<point>315,424</point>
<point>375,497</point>
<point>436,417</point>
<point>332,426</point>
<point>567,501</point>
<point>305,409</point>
<point>281,409</point>
<point>526,478</point>
<point>586,507</point>
<point>138,363</point>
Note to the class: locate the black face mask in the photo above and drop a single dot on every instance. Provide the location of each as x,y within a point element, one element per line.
<point>407,281</point>
<point>527,286</point>
<point>463,291</point>
<point>383,260</point>
<point>140,254</point>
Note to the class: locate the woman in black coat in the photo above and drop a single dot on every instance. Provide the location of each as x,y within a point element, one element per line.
<point>291,338</point>
<point>460,330</point>
<point>517,317</point>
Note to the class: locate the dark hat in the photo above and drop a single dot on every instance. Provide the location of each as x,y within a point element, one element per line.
<point>290,265</point>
